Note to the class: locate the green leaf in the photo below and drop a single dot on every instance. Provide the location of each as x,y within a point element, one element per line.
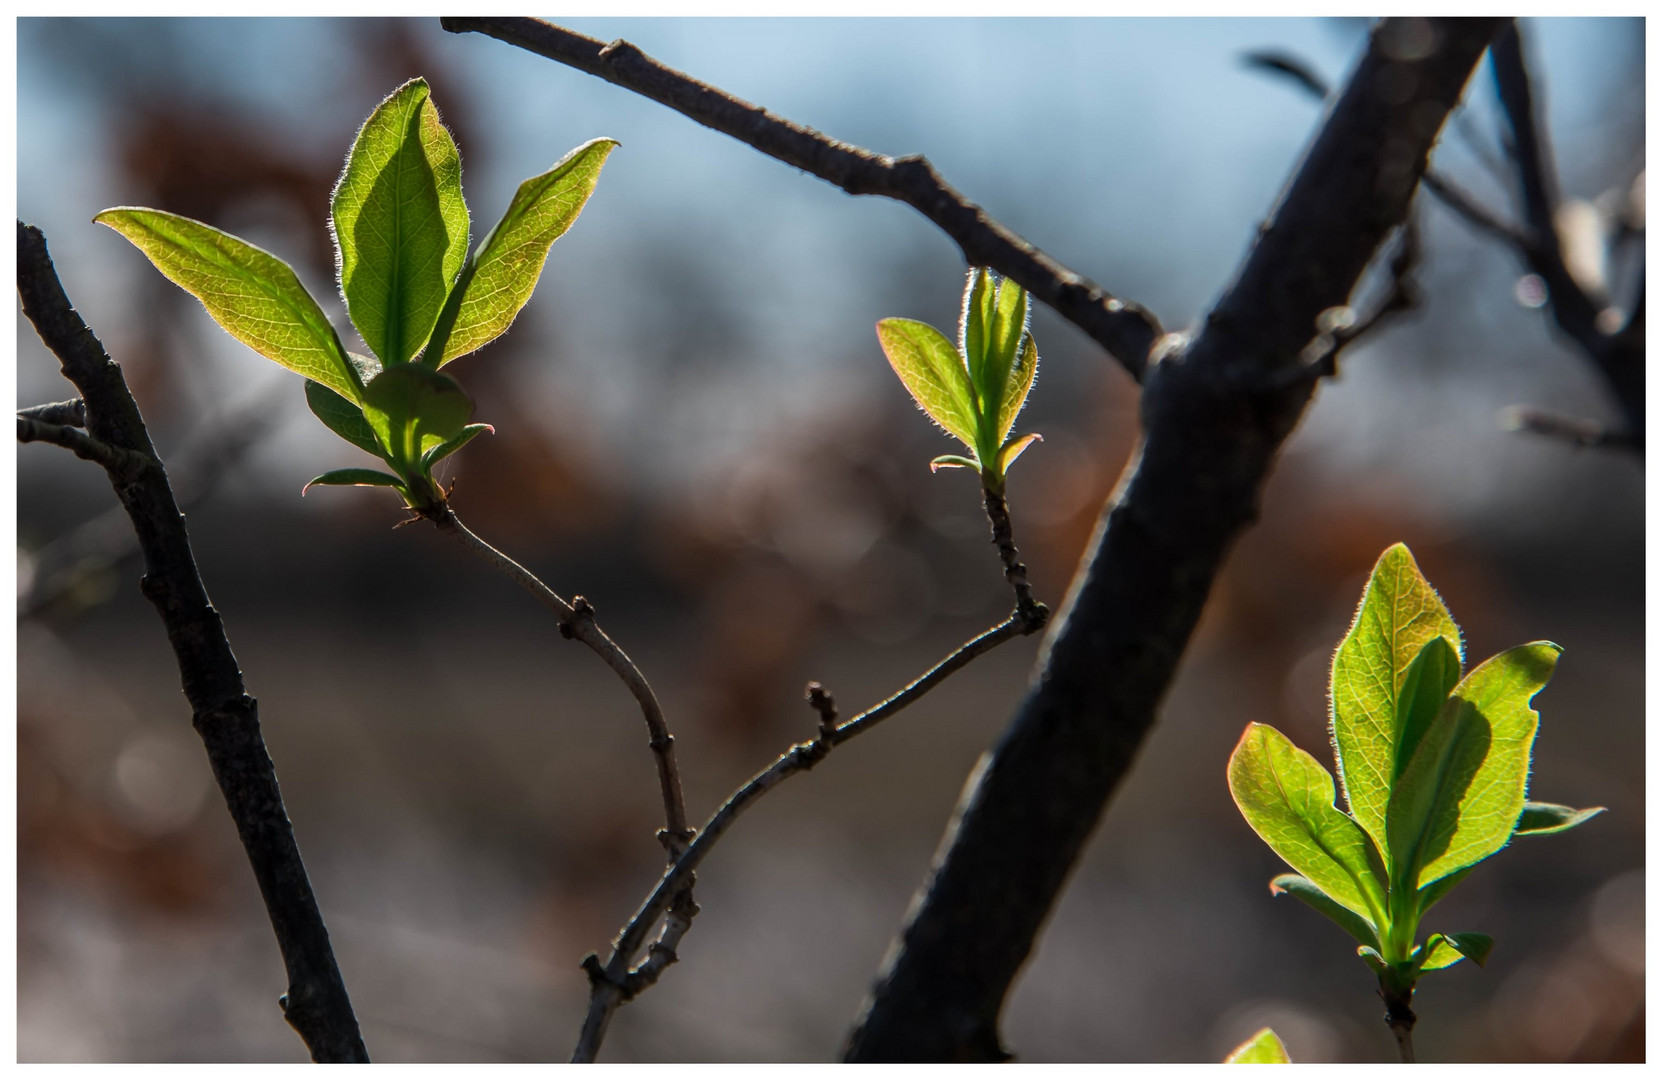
<point>1436,890</point>
<point>954,461</point>
<point>413,409</point>
<point>503,272</point>
<point>1425,687</point>
<point>1009,324</point>
<point>250,292</point>
<point>1399,614</point>
<point>1463,791</point>
<point>1306,890</point>
<point>1542,819</point>
<point>354,478</point>
<point>342,417</point>
<point>1445,950</point>
<point>1287,798</point>
<point>400,223</point>
<point>1373,959</point>
<point>1264,1048</point>
<point>933,372</point>
<point>975,327</point>
<point>1012,450</point>
<point>1020,385</point>
<point>445,449</point>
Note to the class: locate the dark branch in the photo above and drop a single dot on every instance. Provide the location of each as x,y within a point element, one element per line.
<point>1467,206</point>
<point>227,719</point>
<point>122,465</point>
<point>614,983</point>
<point>1214,414</point>
<point>1571,429</point>
<point>71,413</point>
<point>1126,330</point>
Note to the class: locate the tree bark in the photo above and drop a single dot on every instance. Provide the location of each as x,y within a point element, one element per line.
<point>1214,414</point>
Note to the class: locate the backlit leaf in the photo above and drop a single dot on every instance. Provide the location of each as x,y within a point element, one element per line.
<point>445,449</point>
<point>1445,950</point>
<point>1264,1048</point>
<point>400,223</point>
<point>1542,819</point>
<point>954,461</point>
<point>503,272</point>
<point>1003,346</point>
<point>250,292</point>
<point>1304,889</point>
<point>932,371</point>
<point>412,409</point>
<point>975,325</point>
<point>1463,791</point>
<point>1020,385</point>
<point>353,478</point>
<point>1425,687</point>
<point>1012,450</point>
<point>1399,614</point>
<point>341,416</point>
<point>1287,798</point>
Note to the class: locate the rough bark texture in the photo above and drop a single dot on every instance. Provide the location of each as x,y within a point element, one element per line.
<point>1214,413</point>
<point>316,1004</point>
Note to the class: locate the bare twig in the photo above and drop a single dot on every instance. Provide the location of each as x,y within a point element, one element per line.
<point>227,719</point>
<point>1474,212</point>
<point>1125,329</point>
<point>1574,430</point>
<point>614,982</point>
<point>577,621</point>
<point>122,465</point>
<point>1339,328</point>
<point>1399,1016</point>
<point>71,413</point>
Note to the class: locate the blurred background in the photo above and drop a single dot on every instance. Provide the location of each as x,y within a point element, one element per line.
<point>697,430</point>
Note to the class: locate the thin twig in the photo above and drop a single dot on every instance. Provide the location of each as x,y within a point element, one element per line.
<point>614,982</point>
<point>1571,429</point>
<point>1475,213</point>
<point>1015,571</point>
<point>224,715</point>
<point>1399,1016</point>
<point>71,413</point>
<point>1125,329</point>
<point>577,621</point>
<point>122,465</point>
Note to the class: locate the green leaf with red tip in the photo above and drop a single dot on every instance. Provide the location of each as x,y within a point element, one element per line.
<point>1543,819</point>
<point>354,478</point>
<point>1308,892</point>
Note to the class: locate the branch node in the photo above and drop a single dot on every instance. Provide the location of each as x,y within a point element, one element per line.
<point>592,967</point>
<point>581,610</point>
<point>820,700</point>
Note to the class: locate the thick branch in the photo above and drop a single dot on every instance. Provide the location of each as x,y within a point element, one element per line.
<point>1123,328</point>
<point>316,1004</point>
<point>614,982</point>
<point>1214,415</point>
<point>1619,358</point>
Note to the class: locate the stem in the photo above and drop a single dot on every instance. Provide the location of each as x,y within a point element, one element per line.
<point>614,983</point>
<point>1399,1015</point>
<point>1028,609</point>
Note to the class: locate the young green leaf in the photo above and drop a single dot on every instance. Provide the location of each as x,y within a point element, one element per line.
<point>1306,890</point>
<point>1264,1048</point>
<point>1399,614</point>
<point>250,292</point>
<point>1009,324</point>
<point>1445,950</point>
<point>1430,894</point>
<point>445,449</point>
<point>400,223</point>
<point>1463,791</point>
<point>1020,385</point>
<point>354,478</point>
<point>1287,798</point>
<point>499,279</point>
<point>932,372</point>
<point>975,325</point>
<point>1012,450</point>
<point>342,417</point>
<point>953,461</point>
<point>1542,819</point>
<point>1425,687</point>
<point>412,409</point>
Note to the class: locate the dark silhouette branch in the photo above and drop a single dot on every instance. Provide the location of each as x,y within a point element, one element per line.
<point>1576,431</point>
<point>316,1004</point>
<point>123,466</point>
<point>71,413</point>
<point>1215,412</point>
<point>1123,328</point>
<point>615,982</point>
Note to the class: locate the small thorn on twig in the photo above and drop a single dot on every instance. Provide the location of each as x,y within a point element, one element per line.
<point>820,700</point>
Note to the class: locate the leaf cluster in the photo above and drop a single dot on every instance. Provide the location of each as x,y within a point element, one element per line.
<point>416,295</point>
<point>973,390</point>
<point>1434,765</point>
